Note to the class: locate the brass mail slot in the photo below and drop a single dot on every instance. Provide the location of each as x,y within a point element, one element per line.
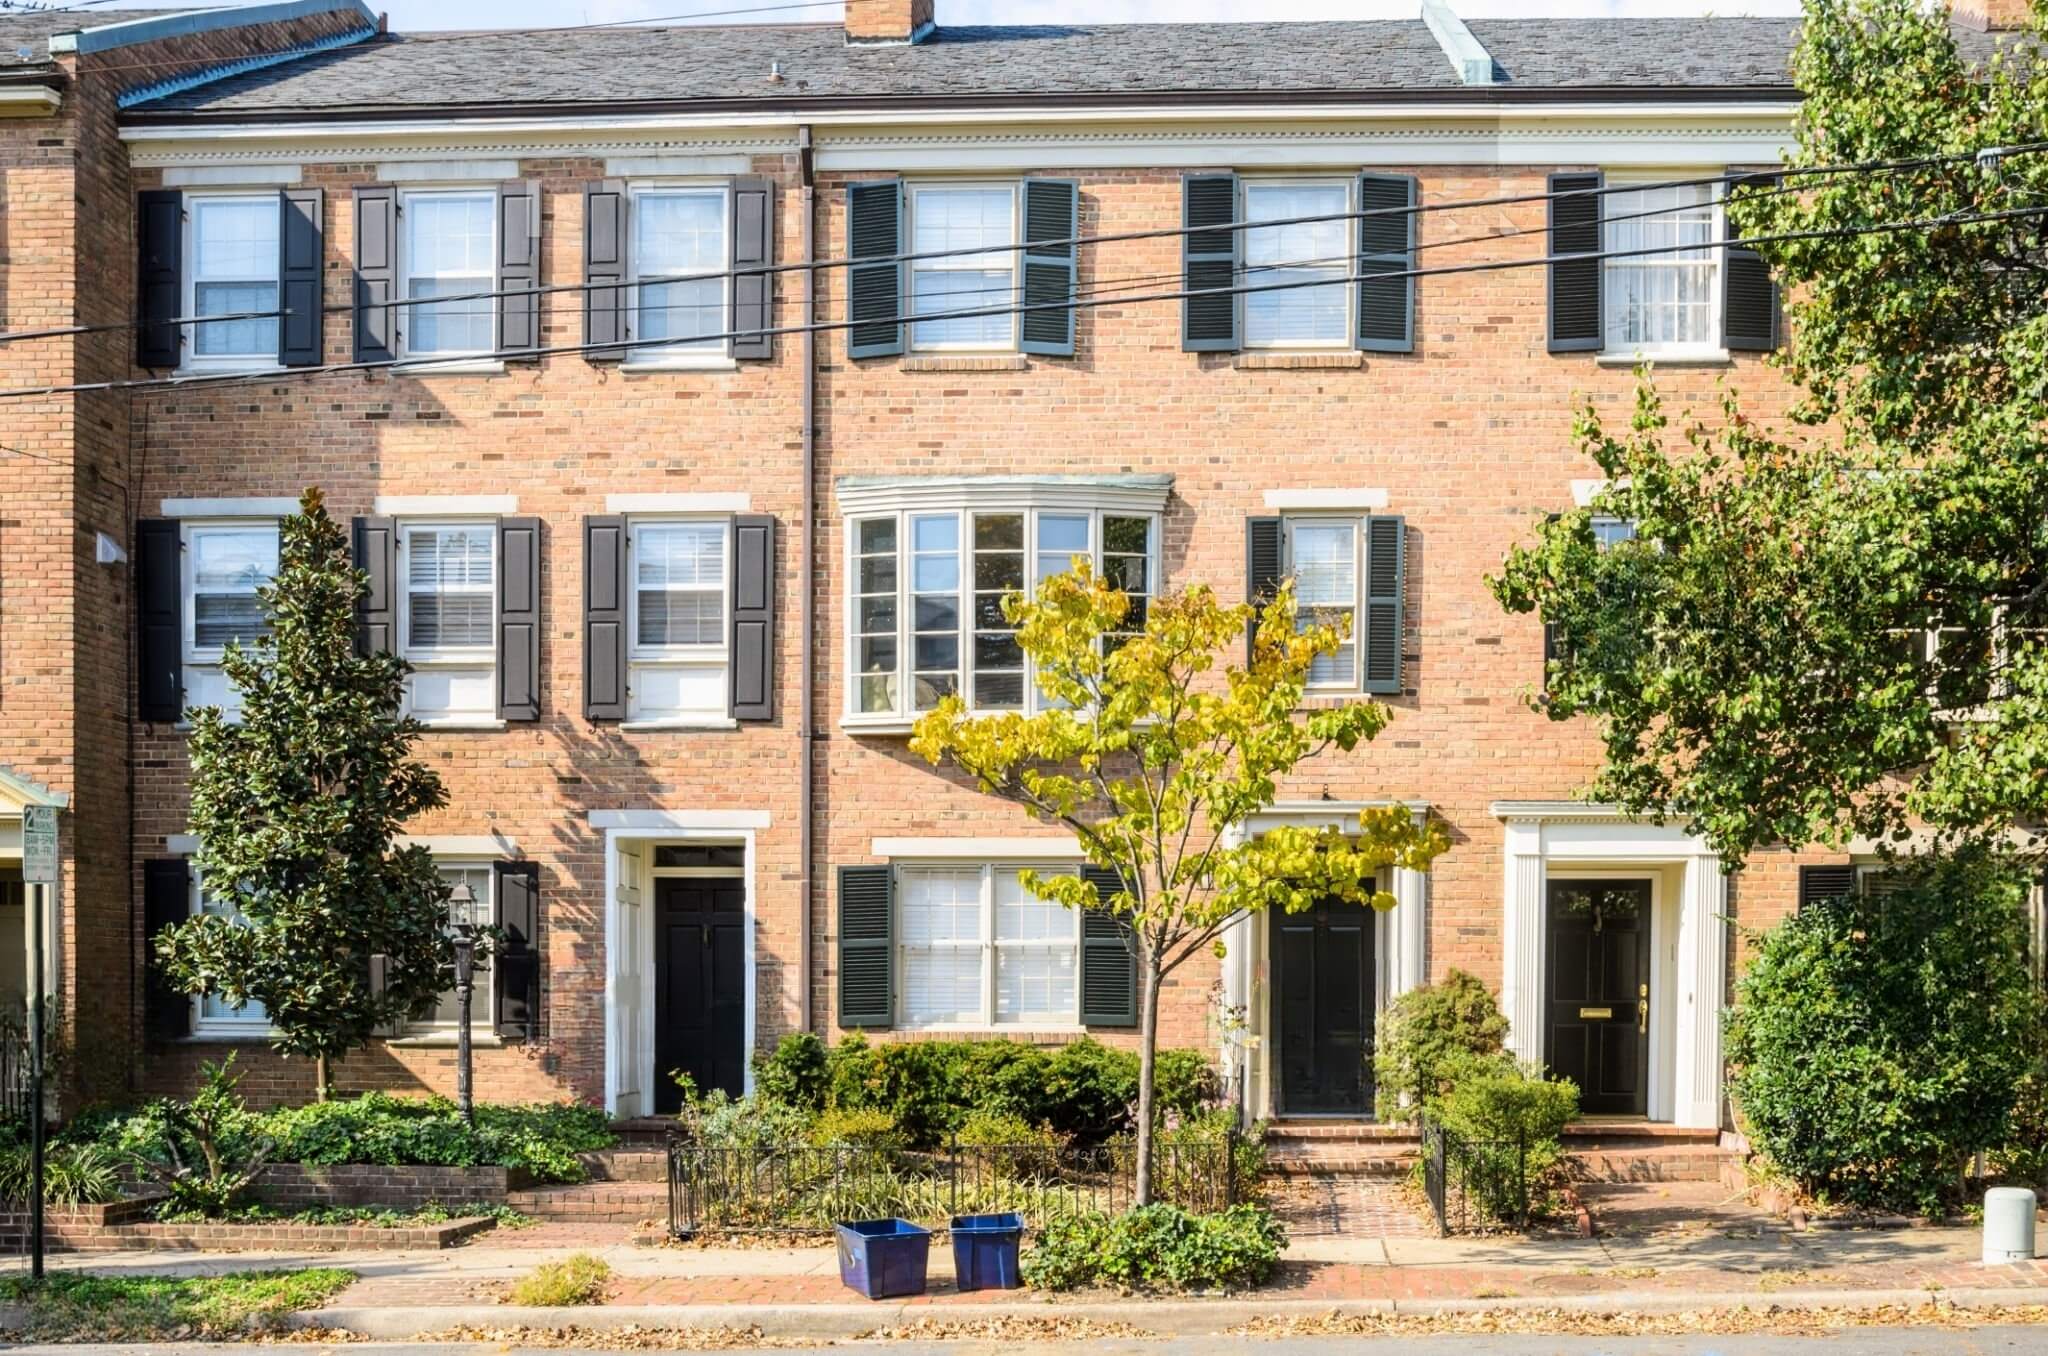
<point>1590,1013</point>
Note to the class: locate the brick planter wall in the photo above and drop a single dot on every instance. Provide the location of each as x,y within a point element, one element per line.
<point>120,1226</point>
<point>296,1185</point>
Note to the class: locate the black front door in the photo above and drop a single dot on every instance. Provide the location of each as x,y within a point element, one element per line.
<point>1599,993</point>
<point>700,986</point>
<point>1322,989</point>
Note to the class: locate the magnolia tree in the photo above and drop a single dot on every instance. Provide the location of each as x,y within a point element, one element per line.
<point>296,804</point>
<point>1156,760</point>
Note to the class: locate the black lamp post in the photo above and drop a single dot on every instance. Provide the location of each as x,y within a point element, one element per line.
<point>464,900</point>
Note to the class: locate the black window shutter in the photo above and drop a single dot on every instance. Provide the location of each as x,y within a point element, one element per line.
<point>1386,245</point>
<point>1575,314</point>
<point>299,266</point>
<point>376,276</point>
<point>516,967</point>
<point>875,291</point>
<point>1820,885</point>
<point>1751,317</point>
<point>752,676</point>
<point>1209,261</point>
<point>1264,567</point>
<point>1386,570</point>
<point>1051,221</point>
<point>159,620</point>
<point>519,619</point>
<point>518,265</point>
<point>166,901</point>
<point>1109,958</point>
<point>376,554</point>
<point>753,245</point>
<point>604,617</point>
<point>159,276</point>
<point>867,933</point>
<point>604,261</point>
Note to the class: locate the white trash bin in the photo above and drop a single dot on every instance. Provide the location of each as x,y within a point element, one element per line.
<point>2008,1226</point>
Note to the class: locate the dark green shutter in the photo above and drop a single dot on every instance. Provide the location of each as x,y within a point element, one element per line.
<point>867,953</point>
<point>1386,246</point>
<point>1576,325</point>
<point>1051,221</point>
<point>159,276</point>
<point>301,265</point>
<point>1209,263</point>
<point>516,967</point>
<point>875,291</point>
<point>375,542</point>
<point>1386,572</point>
<point>1825,884</point>
<point>753,246</point>
<point>159,619</point>
<point>1264,567</point>
<point>750,692</point>
<point>604,262</point>
<point>519,619</point>
<point>376,280</point>
<point>604,617</point>
<point>1750,312</point>
<point>1109,957</point>
<point>166,901</point>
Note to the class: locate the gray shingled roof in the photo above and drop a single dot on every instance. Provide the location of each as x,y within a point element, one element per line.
<point>30,30</point>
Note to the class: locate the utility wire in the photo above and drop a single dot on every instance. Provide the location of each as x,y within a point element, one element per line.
<point>622,346</point>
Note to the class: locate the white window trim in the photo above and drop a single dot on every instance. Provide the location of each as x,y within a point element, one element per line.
<point>483,1023</point>
<point>204,1028</point>
<point>194,655</point>
<point>1347,342</point>
<point>452,361</point>
<point>718,656</point>
<point>906,712</point>
<point>472,657</point>
<point>1357,525</point>
<point>1715,351</point>
<point>912,190</point>
<point>674,357</point>
<point>189,357</point>
<point>988,945</point>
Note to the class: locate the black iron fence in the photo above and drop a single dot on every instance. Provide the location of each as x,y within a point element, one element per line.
<point>14,1068</point>
<point>803,1188</point>
<point>1475,1185</point>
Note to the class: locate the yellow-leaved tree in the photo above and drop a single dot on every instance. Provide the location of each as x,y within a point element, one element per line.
<point>1156,757</point>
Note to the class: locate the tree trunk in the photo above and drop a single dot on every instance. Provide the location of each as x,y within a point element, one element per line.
<point>1148,1049</point>
<point>320,1077</point>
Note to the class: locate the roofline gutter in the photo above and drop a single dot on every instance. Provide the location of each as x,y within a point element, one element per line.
<point>1479,99</point>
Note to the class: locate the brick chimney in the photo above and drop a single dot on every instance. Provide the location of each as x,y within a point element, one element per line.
<point>886,21</point>
<point>1989,15</point>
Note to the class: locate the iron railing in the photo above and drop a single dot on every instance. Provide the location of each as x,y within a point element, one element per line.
<point>1475,1185</point>
<point>803,1188</point>
<point>14,1068</point>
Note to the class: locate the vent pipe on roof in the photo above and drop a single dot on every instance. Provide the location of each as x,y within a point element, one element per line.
<point>1472,62</point>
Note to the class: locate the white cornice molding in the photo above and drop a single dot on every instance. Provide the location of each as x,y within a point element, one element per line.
<point>1562,812</point>
<point>888,494</point>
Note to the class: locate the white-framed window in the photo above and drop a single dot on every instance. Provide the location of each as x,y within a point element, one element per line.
<point>448,246</point>
<point>447,618</point>
<point>481,911</point>
<point>225,563</point>
<point>926,601</point>
<point>976,949</point>
<point>1669,303</point>
<point>231,268</point>
<point>1323,555</point>
<point>211,1015</point>
<point>1306,317</point>
<point>677,624</point>
<point>679,232</point>
<point>971,217</point>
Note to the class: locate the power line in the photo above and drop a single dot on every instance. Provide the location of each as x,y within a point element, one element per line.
<point>1085,303</point>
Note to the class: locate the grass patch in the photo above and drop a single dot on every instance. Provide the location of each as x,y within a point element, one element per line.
<point>577,1279</point>
<point>74,1308</point>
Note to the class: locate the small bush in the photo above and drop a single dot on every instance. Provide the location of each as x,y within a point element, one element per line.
<point>1510,1120</point>
<point>206,1153</point>
<point>1157,1247</point>
<point>1189,1163</point>
<point>2023,1158</point>
<point>1027,1151</point>
<point>721,1122</point>
<point>73,1174</point>
<point>863,1129</point>
<point>797,1074</point>
<point>1429,1033</point>
<point>544,1138</point>
<point>577,1279</point>
<point>1877,1044</point>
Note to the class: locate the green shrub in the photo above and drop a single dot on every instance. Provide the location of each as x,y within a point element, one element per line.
<point>1189,1163</point>
<point>797,1074</point>
<point>864,1128</point>
<point>1429,1033</point>
<point>577,1279</point>
<point>1877,1044</point>
<point>723,1122</point>
<point>1157,1247</point>
<point>543,1138</point>
<point>1510,1120</point>
<point>206,1153</point>
<point>73,1174</point>
<point>1028,1151</point>
<point>2023,1158</point>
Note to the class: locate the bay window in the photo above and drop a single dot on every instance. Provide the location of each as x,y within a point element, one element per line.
<point>977,949</point>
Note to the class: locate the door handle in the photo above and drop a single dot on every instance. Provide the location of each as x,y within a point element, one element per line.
<point>1643,1009</point>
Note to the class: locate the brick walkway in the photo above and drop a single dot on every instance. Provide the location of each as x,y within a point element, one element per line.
<point>1347,1205</point>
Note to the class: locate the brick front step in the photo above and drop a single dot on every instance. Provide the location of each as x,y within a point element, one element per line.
<point>1339,1163</point>
<point>1669,1163</point>
<point>607,1202</point>
<point>626,1165</point>
<point>1343,1132</point>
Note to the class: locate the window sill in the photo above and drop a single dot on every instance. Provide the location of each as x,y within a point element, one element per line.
<point>445,1040</point>
<point>457,725</point>
<point>1298,362</point>
<point>679,363</point>
<point>680,723</point>
<point>1027,1034</point>
<point>248,1036</point>
<point>450,367</point>
<point>1687,357</point>
<point>986,362</point>
<point>876,725</point>
<point>254,367</point>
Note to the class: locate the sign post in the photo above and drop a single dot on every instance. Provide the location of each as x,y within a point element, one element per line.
<point>38,873</point>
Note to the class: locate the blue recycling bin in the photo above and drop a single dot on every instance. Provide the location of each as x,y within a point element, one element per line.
<point>985,1251</point>
<point>883,1258</point>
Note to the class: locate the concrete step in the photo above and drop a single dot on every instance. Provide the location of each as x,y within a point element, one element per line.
<point>610,1202</point>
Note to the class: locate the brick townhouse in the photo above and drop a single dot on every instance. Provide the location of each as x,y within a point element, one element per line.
<point>677,568</point>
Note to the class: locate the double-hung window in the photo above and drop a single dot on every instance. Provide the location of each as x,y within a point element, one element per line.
<point>1666,303</point>
<point>679,570</point>
<point>225,564</point>
<point>928,587</point>
<point>977,949</point>
<point>1291,256</point>
<point>232,270</point>
<point>211,1015</point>
<point>980,222</point>
<point>448,618</point>
<point>679,257</point>
<point>1325,554</point>
<point>448,248</point>
<point>480,911</point>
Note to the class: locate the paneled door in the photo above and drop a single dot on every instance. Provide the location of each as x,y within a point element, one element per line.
<point>1598,1033</point>
<point>1322,976</point>
<point>701,983</point>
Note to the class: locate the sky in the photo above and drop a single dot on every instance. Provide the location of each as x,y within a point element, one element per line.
<point>414,15</point>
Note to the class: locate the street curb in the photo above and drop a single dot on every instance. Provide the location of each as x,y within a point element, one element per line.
<point>1173,1318</point>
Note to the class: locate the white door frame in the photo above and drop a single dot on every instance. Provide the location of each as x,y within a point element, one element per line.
<point>650,828</point>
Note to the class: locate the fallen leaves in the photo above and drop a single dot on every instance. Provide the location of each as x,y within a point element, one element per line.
<point>628,1337</point>
<point>1006,1328</point>
<point>1770,1318</point>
